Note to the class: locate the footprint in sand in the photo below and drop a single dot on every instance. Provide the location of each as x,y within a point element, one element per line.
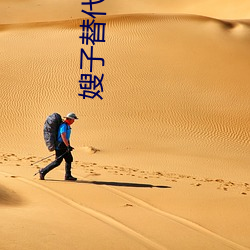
<point>128,205</point>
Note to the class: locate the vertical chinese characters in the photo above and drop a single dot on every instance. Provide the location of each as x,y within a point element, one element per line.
<point>92,33</point>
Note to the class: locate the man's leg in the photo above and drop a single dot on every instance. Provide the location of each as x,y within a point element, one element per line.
<point>68,160</point>
<point>52,165</point>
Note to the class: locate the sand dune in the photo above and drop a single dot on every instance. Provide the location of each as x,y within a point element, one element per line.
<point>193,111</point>
<point>162,161</point>
<point>66,10</point>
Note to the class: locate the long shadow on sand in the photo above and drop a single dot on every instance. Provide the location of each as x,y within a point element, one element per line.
<point>122,184</point>
<point>116,184</point>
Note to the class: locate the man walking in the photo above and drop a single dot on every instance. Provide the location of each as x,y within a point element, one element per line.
<point>63,150</point>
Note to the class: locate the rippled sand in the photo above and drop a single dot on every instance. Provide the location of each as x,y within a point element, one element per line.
<point>162,161</point>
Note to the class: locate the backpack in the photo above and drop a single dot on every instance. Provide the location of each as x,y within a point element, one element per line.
<point>50,130</point>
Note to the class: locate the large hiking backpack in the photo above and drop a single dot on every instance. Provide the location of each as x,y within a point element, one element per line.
<point>50,130</point>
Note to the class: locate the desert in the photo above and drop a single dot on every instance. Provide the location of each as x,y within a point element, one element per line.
<point>162,160</point>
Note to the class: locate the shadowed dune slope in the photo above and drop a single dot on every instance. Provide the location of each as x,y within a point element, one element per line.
<point>8,197</point>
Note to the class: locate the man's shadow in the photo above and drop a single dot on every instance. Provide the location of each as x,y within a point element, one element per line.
<point>114,183</point>
<point>122,184</point>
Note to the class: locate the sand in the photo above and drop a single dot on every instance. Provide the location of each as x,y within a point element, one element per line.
<point>162,160</point>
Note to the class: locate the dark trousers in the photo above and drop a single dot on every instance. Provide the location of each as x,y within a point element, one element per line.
<point>67,156</point>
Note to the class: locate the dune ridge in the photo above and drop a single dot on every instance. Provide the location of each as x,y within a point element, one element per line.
<point>122,18</point>
<point>47,10</point>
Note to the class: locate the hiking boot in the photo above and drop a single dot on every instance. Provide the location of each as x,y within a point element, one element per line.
<point>41,175</point>
<point>70,178</point>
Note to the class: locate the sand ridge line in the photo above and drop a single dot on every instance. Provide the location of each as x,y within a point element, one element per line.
<point>175,218</point>
<point>126,19</point>
<point>96,214</point>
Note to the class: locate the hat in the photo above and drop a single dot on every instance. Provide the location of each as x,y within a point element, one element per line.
<point>71,116</point>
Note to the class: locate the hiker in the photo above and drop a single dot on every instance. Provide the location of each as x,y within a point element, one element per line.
<point>63,149</point>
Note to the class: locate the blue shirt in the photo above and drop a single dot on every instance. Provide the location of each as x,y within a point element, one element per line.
<point>64,128</point>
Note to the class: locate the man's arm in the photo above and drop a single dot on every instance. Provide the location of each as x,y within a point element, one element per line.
<point>66,142</point>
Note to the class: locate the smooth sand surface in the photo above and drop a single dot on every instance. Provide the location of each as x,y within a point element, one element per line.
<point>162,161</point>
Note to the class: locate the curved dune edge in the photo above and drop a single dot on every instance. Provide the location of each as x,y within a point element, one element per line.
<point>14,11</point>
<point>138,17</point>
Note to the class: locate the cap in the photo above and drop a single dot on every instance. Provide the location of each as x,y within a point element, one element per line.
<point>71,116</point>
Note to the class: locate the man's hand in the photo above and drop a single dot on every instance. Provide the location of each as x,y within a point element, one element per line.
<point>69,148</point>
